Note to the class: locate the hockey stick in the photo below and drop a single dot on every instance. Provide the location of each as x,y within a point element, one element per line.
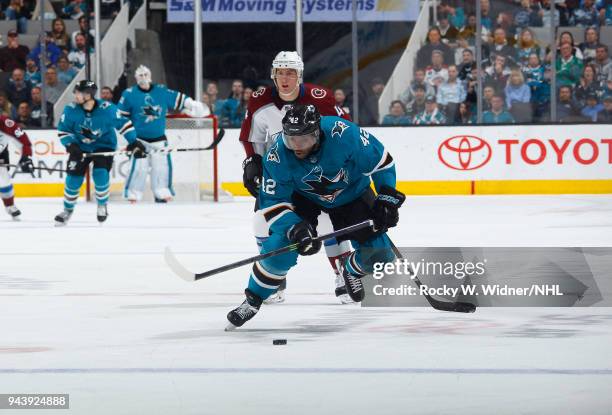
<point>35,168</point>
<point>212,145</point>
<point>458,306</point>
<point>189,276</point>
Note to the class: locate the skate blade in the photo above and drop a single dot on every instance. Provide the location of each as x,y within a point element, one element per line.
<point>16,218</point>
<point>230,327</point>
<point>345,299</point>
<point>59,224</point>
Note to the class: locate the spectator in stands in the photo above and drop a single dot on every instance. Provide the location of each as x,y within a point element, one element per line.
<point>501,47</point>
<point>58,32</point>
<point>488,92</point>
<point>592,108</point>
<point>567,37</point>
<point>468,31</point>
<point>106,93</point>
<point>451,93</point>
<point>212,90</point>
<point>21,11</point>
<point>340,98</point>
<point>437,72</point>
<point>18,88</point>
<point>590,44</point>
<point>462,46</point>
<point>606,13</point>
<point>497,114</point>
<point>464,115</point>
<point>538,79</point>
<point>78,55</point>
<point>32,73</point>
<point>455,12</point>
<point>567,108</point>
<point>75,9</point>
<point>466,65</point>
<point>244,102</point>
<point>471,88</point>
<point>603,63</point>
<point>607,89</point>
<point>53,87</point>
<point>544,14</point>
<point>417,104</point>
<point>65,71</point>
<point>24,115</point>
<point>448,32</point>
<point>53,52</point>
<point>605,115</point>
<point>517,91</point>
<point>434,43</point>
<point>527,15</point>
<point>84,30</point>
<point>589,85</point>
<point>431,116</point>
<point>586,15</point>
<point>36,108</point>
<point>369,111</point>
<point>568,67</point>
<point>6,108</point>
<point>13,55</point>
<point>526,46</point>
<point>498,73</point>
<point>419,80</point>
<point>485,19</point>
<point>397,114</point>
<point>229,115</point>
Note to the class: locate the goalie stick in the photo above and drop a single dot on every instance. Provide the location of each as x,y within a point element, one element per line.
<point>212,145</point>
<point>458,306</point>
<point>189,276</point>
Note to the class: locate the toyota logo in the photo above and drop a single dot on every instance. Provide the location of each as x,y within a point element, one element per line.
<point>464,152</point>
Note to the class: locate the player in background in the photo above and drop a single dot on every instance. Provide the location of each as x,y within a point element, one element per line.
<point>88,126</point>
<point>146,105</point>
<point>330,162</point>
<point>263,119</point>
<point>10,129</point>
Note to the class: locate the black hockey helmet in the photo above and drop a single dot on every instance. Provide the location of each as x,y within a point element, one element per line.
<point>301,126</point>
<point>86,86</point>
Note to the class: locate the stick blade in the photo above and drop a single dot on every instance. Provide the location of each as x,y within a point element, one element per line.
<point>177,267</point>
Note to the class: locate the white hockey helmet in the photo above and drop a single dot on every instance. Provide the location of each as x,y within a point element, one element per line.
<point>288,60</point>
<point>143,76</point>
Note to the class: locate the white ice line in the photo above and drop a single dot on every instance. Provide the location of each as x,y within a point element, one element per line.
<point>313,370</point>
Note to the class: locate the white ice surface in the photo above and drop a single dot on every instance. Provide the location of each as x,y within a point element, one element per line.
<point>93,311</point>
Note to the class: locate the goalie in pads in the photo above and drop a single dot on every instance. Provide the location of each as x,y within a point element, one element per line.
<point>146,105</point>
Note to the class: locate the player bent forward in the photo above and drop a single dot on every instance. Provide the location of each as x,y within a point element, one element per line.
<point>88,126</point>
<point>330,162</point>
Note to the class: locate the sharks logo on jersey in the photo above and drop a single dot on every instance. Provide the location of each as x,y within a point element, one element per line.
<point>150,111</point>
<point>325,188</point>
<point>88,132</point>
<point>339,128</point>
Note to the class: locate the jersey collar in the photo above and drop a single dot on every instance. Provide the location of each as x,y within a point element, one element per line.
<point>144,90</point>
<point>280,103</point>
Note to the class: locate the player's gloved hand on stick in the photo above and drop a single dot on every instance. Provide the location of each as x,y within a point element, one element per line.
<point>304,234</point>
<point>75,152</point>
<point>25,164</point>
<point>251,177</point>
<point>386,208</point>
<point>139,151</point>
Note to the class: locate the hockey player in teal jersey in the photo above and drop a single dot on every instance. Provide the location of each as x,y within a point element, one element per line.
<point>330,162</point>
<point>147,105</point>
<point>88,126</point>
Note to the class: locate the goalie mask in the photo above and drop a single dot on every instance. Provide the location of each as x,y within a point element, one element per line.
<point>143,77</point>
<point>301,129</point>
<point>287,60</point>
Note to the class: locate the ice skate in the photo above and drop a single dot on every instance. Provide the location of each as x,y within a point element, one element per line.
<point>102,213</point>
<point>352,284</point>
<point>13,212</point>
<point>63,217</point>
<point>341,292</point>
<point>276,298</point>
<point>244,312</point>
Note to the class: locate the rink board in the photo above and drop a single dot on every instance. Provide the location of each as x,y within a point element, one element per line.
<point>543,159</point>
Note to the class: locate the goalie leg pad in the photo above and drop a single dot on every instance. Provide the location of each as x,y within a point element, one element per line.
<point>161,172</point>
<point>137,178</point>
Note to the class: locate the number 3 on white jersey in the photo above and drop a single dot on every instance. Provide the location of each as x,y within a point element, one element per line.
<point>269,186</point>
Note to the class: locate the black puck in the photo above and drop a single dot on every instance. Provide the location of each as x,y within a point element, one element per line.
<point>277,342</point>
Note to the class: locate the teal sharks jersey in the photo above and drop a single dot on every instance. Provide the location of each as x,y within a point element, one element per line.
<point>148,109</point>
<point>94,130</point>
<point>339,171</point>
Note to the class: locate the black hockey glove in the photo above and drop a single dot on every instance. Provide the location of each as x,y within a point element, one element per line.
<point>75,152</point>
<point>251,177</point>
<point>25,164</point>
<point>139,151</point>
<point>386,206</point>
<point>303,234</point>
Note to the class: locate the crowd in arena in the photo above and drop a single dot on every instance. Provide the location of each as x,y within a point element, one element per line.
<point>517,66</point>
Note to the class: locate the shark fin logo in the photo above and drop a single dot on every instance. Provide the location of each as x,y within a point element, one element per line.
<point>150,111</point>
<point>339,128</point>
<point>88,132</point>
<point>325,188</point>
